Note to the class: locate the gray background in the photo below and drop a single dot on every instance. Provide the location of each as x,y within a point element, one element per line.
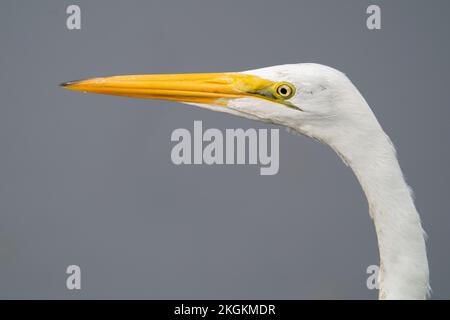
<point>88,180</point>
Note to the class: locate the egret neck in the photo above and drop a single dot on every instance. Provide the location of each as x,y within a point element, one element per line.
<point>369,152</point>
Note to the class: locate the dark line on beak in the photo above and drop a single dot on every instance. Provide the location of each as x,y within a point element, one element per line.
<point>68,83</point>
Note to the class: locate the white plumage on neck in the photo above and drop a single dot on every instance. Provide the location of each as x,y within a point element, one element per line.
<point>403,260</point>
<point>401,240</point>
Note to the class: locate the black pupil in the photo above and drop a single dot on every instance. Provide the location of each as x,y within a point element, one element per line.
<point>283,91</point>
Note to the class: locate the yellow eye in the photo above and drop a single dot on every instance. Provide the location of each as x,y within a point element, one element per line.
<point>284,90</point>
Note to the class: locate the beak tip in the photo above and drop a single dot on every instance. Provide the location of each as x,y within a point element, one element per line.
<point>66,84</point>
<point>69,83</point>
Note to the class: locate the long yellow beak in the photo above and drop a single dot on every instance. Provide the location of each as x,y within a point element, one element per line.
<point>208,88</point>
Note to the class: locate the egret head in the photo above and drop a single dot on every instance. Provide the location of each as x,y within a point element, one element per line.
<point>312,99</point>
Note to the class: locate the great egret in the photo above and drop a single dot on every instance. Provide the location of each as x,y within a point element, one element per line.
<point>322,103</point>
